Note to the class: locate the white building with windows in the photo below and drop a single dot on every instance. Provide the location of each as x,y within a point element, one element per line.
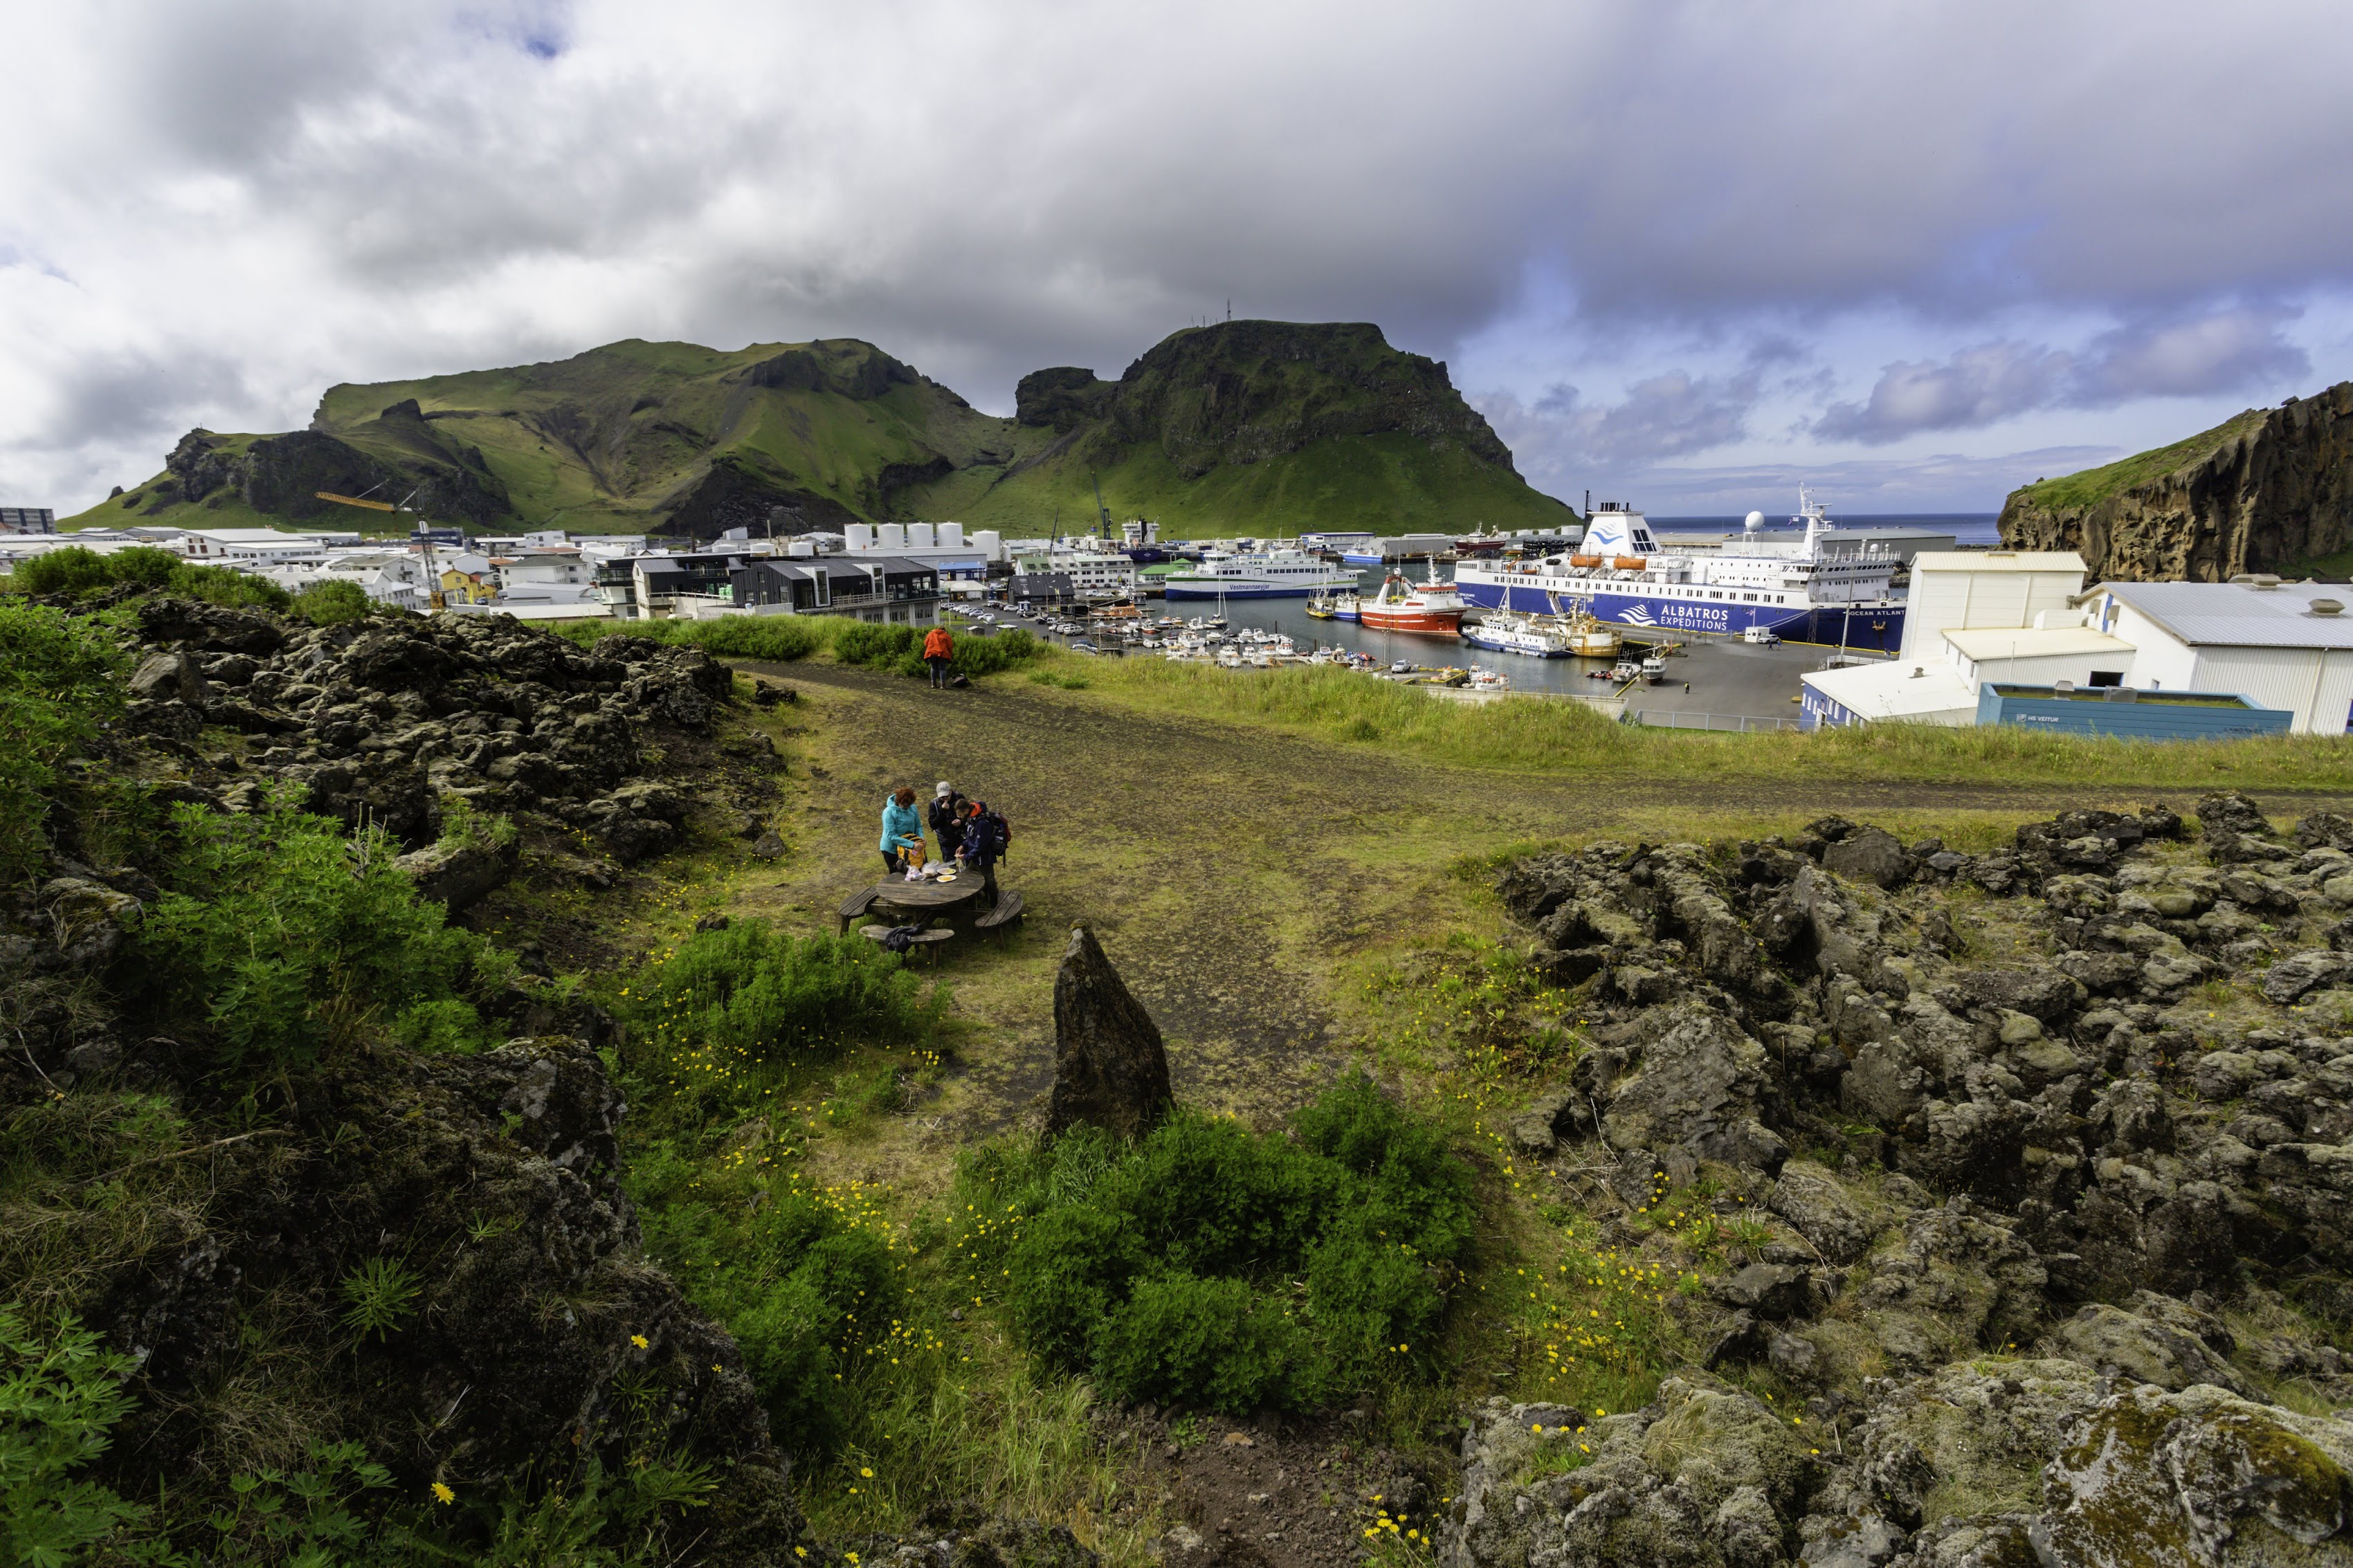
<point>2026,618</point>
<point>1092,572</point>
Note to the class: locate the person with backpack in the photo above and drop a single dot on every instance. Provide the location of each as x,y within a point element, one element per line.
<point>947,818</point>
<point>938,648</point>
<point>987,837</point>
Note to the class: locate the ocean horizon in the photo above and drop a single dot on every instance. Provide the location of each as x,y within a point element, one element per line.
<point>1966,526</point>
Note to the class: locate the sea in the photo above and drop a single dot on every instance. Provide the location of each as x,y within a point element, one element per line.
<point>1970,530</point>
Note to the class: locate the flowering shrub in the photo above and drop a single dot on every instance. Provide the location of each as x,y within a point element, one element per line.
<point>1209,1266</point>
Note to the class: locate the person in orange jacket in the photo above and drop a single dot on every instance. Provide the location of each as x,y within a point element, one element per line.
<point>938,648</point>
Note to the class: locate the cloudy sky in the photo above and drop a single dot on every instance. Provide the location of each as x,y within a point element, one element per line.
<point>1683,254</point>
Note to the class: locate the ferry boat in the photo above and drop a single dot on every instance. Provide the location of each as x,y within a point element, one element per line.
<point>1402,607</point>
<point>1802,592</point>
<point>1270,574</point>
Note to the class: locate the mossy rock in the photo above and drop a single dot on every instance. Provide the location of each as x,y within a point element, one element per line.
<point>2151,1478</point>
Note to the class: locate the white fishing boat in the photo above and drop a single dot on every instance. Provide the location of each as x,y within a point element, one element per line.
<point>1508,631</point>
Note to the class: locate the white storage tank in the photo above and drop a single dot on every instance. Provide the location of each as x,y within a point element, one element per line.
<point>951,536</point>
<point>990,543</point>
<point>857,536</point>
<point>919,536</point>
<point>890,536</point>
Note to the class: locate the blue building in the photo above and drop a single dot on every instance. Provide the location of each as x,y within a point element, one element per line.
<point>2067,708</point>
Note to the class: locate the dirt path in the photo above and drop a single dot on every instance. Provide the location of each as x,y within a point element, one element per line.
<point>1232,873</point>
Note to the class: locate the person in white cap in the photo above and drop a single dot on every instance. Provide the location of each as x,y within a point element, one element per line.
<point>947,818</point>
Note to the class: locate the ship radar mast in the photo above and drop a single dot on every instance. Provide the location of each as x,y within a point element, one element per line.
<point>1810,513</point>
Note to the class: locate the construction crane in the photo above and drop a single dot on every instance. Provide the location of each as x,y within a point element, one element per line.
<point>1102,510</point>
<point>433,595</point>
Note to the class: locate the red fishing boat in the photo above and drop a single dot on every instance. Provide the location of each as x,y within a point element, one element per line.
<point>1434,609</point>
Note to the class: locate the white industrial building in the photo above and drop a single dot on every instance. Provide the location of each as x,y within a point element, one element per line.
<point>2279,645</point>
<point>2025,618</point>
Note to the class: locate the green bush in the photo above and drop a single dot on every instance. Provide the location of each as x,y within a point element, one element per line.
<point>60,1392</point>
<point>72,570</point>
<point>1209,1266</point>
<point>801,1278</point>
<point>783,638</point>
<point>775,639</point>
<point>59,675</point>
<point>78,570</point>
<point>730,1000</point>
<point>290,939</point>
<point>330,603</point>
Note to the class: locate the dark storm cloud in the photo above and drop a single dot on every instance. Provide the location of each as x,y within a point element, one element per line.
<point>2224,351</point>
<point>321,191</point>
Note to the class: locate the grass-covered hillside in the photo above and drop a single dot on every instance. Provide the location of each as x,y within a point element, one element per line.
<point>633,436</point>
<point>2093,486</point>
<point>1251,426</point>
<point>2270,489</point>
<point>1247,427</point>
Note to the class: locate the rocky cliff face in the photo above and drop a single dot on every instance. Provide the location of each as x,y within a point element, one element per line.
<point>2268,491</point>
<point>281,475</point>
<point>1240,392</point>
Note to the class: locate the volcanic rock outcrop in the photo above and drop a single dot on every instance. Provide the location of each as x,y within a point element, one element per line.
<point>389,720</point>
<point>2050,1144</point>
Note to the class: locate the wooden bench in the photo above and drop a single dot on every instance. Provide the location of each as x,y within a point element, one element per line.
<point>924,938</point>
<point>1003,918</point>
<point>857,904</point>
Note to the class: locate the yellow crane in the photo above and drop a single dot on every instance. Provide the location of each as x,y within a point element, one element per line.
<point>432,566</point>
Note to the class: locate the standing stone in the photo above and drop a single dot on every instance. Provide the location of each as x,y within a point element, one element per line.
<point>1109,1066</point>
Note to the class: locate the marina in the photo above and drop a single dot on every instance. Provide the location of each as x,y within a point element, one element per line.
<point>1733,682</point>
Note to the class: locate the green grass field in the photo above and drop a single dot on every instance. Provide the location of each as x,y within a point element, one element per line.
<point>1568,737</point>
<point>2094,486</point>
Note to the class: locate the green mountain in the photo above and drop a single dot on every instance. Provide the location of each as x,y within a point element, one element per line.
<point>1246,428</point>
<point>2270,489</point>
<point>1243,428</point>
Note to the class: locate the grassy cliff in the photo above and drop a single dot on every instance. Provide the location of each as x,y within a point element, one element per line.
<point>2270,489</point>
<point>1244,427</point>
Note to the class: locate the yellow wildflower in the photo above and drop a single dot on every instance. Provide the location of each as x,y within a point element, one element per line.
<point>441,1493</point>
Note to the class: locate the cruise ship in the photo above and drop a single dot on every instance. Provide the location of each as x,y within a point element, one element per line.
<point>1801,591</point>
<point>1272,573</point>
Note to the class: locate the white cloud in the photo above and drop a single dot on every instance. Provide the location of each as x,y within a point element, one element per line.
<point>291,194</point>
<point>2224,351</point>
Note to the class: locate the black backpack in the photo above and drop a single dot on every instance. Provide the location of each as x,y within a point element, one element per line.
<point>995,834</point>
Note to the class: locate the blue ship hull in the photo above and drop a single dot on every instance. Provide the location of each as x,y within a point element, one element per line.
<point>1867,627</point>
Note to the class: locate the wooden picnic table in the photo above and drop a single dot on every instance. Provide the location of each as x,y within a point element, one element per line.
<point>915,901</point>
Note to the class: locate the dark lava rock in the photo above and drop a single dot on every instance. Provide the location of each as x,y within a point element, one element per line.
<point>169,676</point>
<point>1868,855</point>
<point>1110,1068</point>
<point>458,875</point>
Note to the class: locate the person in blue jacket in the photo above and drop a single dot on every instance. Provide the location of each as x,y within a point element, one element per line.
<point>903,827</point>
